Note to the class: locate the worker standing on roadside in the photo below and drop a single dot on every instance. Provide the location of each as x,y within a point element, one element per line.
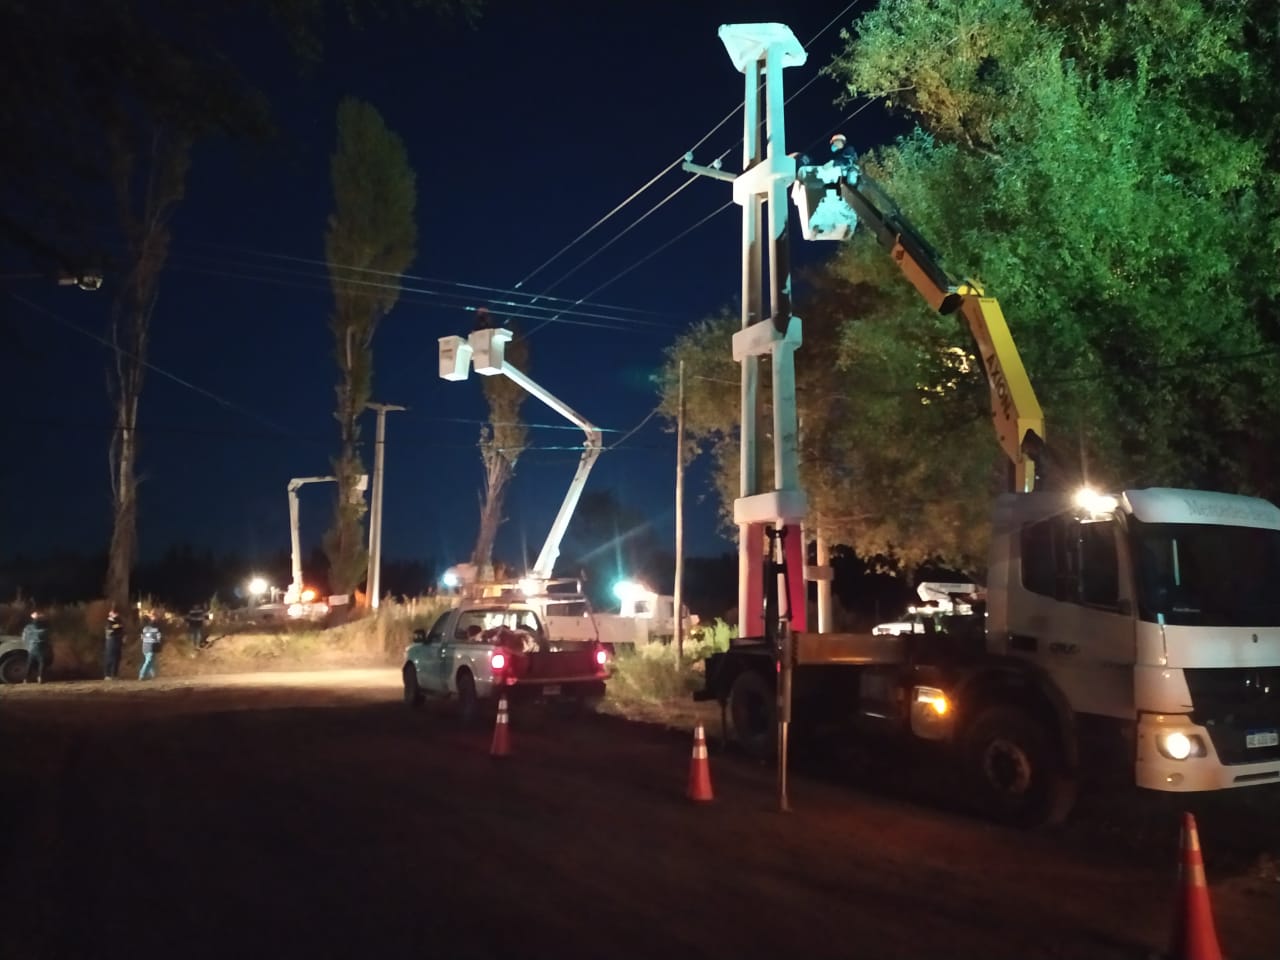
<point>196,620</point>
<point>35,635</point>
<point>151,641</point>
<point>113,642</point>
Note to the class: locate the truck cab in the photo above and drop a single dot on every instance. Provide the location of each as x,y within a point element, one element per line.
<point>1156,610</point>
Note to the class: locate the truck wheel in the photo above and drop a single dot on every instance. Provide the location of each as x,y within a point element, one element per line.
<point>468,701</point>
<point>753,710</point>
<point>1016,776</point>
<point>13,668</point>
<point>412,692</point>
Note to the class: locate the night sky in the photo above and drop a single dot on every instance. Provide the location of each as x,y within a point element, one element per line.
<point>523,132</point>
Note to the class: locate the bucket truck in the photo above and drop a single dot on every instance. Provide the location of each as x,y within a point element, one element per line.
<point>1136,630</point>
<point>300,600</point>
<point>564,609</point>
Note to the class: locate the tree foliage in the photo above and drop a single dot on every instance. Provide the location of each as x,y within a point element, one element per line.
<point>1102,169</point>
<point>372,232</point>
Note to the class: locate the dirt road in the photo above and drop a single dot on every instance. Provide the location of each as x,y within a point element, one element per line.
<point>315,815</point>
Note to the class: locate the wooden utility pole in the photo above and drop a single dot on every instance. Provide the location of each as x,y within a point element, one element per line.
<point>679,590</point>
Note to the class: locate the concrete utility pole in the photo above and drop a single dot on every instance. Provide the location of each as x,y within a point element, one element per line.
<point>761,51</point>
<point>374,579</point>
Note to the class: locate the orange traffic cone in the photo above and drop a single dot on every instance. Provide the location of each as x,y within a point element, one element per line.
<point>1194,937</point>
<point>501,732</point>
<point>699,770</point>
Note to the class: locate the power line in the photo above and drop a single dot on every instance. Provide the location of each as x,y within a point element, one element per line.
<point>401,277</point>
<point>419,296</point>
<point>114,348</point>
<point>671,166</point>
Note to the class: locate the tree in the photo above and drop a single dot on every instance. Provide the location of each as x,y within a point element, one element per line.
<point>1100,183</point>
<point>144,222</point>
<point>502,440</point>
<point>372,232</point>
<point>100,106</point>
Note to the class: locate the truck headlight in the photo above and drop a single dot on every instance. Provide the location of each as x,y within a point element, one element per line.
<point>930,713</point>
<point>1177,745</point>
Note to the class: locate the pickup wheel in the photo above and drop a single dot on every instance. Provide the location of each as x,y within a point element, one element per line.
<point>1015,774</point>
<point>412,692</point>
<point>468,701</point>
<point>753,710</point>
<point>13,668</point>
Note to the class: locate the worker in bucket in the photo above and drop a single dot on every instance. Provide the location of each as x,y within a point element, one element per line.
<point>841,152</point>
<point>112,644</point>
<point>151,641</point>
<point>35,636</point>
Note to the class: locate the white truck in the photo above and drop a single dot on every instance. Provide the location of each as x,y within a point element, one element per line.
<point>483,649</point>
<point>1138,630</point>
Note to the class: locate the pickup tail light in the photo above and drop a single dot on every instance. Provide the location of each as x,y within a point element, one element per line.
<point>498,660</point>
<point>602,657</point>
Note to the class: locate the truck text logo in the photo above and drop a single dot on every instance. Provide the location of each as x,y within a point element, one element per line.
<point>999,385</point>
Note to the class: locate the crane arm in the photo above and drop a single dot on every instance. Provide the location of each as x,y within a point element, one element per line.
<point>591,451</point>
<point>1016,412</point>
<point>295,548</point>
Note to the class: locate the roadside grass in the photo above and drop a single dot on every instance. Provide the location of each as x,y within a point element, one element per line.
<point>651,684</point>
<point>232,645</point>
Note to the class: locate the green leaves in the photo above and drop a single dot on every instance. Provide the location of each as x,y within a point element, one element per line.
<point>372,233</point>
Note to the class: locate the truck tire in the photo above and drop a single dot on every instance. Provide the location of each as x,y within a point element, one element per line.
<point>753,711</point>
<point>1016,775</point>
<point>13,668</point>
<point>412,692</point>
<point>468,701</point>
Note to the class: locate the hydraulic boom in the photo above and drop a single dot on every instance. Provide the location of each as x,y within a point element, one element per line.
<point>832,198</point>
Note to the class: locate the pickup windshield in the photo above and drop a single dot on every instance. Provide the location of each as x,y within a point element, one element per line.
<point>483,624</point>
<point>1209,576</point>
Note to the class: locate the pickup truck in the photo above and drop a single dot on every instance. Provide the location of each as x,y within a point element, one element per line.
<point>13,659</point>
<point>478,651</point>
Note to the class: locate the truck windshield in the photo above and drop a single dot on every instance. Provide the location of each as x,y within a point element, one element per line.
<point>1203,575</point>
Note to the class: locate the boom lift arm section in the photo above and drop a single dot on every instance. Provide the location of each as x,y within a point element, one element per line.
<point>295,587</point>
<point>483,349</point>
<point>832,197</point>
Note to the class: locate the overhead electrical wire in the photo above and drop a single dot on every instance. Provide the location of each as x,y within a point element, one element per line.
<point>662,173</point>
<point>155,368</point>
<point>401,277</point>
<point>671,166</point>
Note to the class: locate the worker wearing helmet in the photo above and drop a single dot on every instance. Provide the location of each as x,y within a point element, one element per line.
<point>35,635</point>
<point>112,644</point>
<point>151,641</point>
<point>841,152</point>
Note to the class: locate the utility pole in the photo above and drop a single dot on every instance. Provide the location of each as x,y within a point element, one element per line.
<point>679,590</point>
<point>770,331</point>
<point>374,578</point>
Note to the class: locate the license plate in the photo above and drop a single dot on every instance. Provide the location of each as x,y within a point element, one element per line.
<point>1263,738</point>
<point>553,689</point>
